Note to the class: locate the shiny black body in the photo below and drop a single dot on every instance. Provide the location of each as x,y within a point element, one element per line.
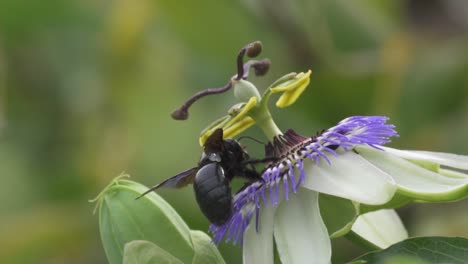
<point>221,161</point>
<point>213,193</point>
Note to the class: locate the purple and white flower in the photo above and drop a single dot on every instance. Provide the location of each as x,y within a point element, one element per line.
<point>348,161</point>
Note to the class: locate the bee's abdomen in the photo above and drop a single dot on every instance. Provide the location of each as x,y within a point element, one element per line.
<point>213,193</point>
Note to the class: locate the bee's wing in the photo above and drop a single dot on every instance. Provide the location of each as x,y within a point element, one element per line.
<point>178,181</point>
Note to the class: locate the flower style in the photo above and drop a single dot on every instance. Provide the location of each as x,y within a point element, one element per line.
<point>347,161</point>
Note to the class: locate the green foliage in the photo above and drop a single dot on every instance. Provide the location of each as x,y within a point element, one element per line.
<point>144,252</point>
<point>205,251</point>
<point>421,250</point>
<point>125,220</point>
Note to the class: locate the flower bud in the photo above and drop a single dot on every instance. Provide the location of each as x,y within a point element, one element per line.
<point>123,220</point>
<point>145,252</point>
<point>205,251</point>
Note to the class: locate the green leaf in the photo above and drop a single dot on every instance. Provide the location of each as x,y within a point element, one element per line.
<point>422,249</point>
<point>145,252</point>
<point>122,219</point>
<point>397,260</point>
<point>205,251</point>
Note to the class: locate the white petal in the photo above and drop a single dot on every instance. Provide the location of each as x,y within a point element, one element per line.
<point>447,159</point>
<point>258,246</point>
<point>382,228</point>
<point>414,180</point>
<point>300,234</point>
<point>350,176</point>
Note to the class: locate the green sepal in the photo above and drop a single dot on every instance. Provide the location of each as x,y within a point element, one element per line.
<point>397,201</point>
<point>205,251</point>
<point>145,252</point>
<point>122,219</point>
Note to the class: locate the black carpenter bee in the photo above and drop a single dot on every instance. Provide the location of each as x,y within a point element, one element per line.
<point>221,161</point>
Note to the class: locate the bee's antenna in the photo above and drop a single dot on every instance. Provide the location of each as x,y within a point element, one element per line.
<point>148,191</point>
<point>264,160</point>
<point>251,138</point>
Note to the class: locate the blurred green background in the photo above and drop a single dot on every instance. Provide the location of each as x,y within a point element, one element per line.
<point>86,89</point>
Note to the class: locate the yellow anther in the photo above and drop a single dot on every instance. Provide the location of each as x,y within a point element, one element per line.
<point>238,127</point>
<point>232,125</point>
<point>291,89</point>
<point>247,107</point>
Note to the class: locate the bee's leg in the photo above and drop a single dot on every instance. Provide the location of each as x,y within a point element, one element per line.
<point>246,184</point>
<point>264,160</point>
<point>252,174</point>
